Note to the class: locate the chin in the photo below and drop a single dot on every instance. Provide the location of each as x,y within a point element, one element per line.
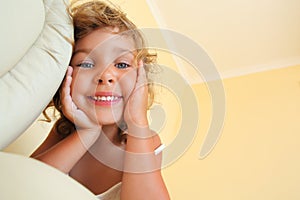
<point>108,120</point>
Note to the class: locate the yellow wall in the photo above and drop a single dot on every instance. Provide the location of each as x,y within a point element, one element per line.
<point>257,154</point>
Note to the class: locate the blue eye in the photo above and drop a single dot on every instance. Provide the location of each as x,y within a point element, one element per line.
<point>122,65</point>
<point>85,65</point>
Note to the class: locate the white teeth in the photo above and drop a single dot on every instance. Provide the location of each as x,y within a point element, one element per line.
<point>105,98</point>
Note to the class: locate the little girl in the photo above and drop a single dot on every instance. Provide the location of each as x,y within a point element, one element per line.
<point>102,138</point>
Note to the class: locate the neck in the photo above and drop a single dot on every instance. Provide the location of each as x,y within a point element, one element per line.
<point>108,141</point>
<point>110,132</point>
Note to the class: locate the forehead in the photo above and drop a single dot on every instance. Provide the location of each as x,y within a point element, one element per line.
<point>105,39</point>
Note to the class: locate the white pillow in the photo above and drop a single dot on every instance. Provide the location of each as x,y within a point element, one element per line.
<point>29,179</point>
<point>40,35</point>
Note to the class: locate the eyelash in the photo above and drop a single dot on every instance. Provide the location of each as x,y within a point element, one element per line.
<point>85,65</point>
<point>117,65</point>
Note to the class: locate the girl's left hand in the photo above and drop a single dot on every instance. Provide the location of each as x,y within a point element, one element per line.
<point>135,113</point>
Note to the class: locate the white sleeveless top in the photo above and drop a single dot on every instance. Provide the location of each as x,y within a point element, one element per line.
<point>112,193</point>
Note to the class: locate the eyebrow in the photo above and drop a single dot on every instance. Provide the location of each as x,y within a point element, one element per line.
<point>87,51</point>
<point>123,51</point>
<point>120,51</point>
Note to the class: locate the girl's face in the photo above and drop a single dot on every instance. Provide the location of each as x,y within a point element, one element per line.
<point>104,75</point>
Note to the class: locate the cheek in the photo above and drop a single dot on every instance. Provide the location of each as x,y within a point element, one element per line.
<point>76,86</point>
<point>79,86</point>
<point>127,83</point>
<point>82,80</point>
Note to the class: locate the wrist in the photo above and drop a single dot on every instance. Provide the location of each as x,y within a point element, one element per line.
<point>88,136</point>
<point>139,122</point>
<point>89,130</point>
<point>139,131</point>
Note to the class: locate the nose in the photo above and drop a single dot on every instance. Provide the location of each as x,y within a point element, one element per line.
<point>107,77</point>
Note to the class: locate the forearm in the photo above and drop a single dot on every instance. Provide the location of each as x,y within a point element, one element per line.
<point>65,154</point>
<point>142,175</point>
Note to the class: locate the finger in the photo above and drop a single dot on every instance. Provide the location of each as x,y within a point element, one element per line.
<point>141,74</point>
<point>68,77</point>
<point>69,71</point>
<point>140,63</point>
<point>66,88</point>
<point>66,92</point>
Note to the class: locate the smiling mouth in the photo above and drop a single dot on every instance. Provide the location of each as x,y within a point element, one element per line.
<point>105,98</point>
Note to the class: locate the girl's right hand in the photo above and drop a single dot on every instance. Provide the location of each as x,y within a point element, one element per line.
<point>81,121</point>
<point>64,153</point>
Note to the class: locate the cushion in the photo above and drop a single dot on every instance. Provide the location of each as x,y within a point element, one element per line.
<point>37,47</point>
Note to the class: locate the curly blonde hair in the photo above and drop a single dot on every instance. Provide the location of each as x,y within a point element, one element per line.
<point>94,14</point>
